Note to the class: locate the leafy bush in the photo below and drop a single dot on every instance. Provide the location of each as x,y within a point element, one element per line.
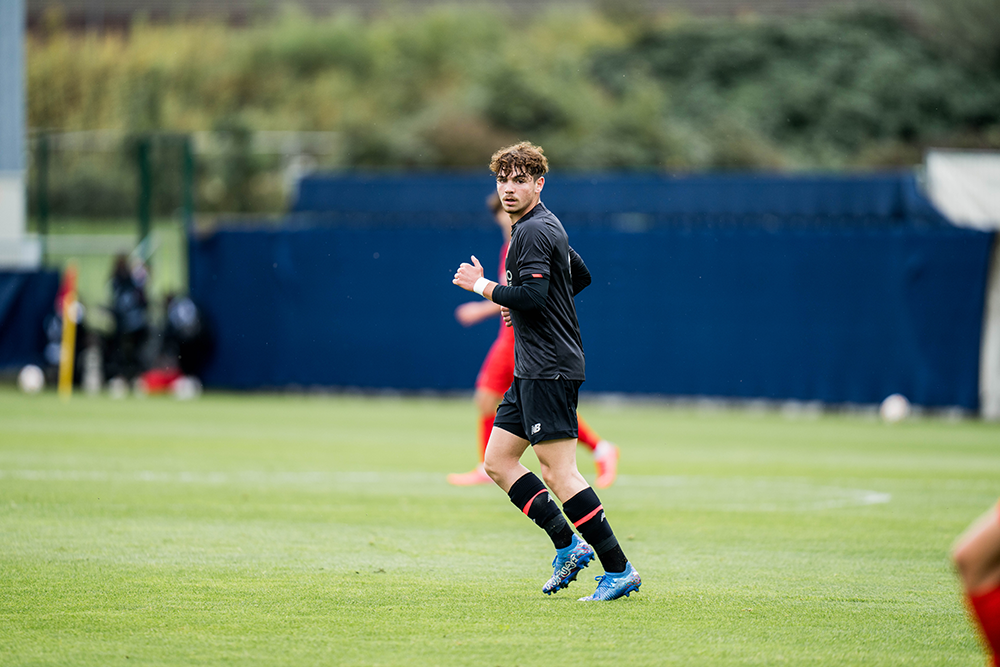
<point>968,30</point>
<point>600,90</point>
<point>822,89</point>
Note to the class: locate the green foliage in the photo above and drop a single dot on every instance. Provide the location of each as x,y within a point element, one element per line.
<point>600,90</point>
<point>521,103</point>
<point>826,88</point>
<point>99,178</point>
<point>77,188</point>
<point>305,49</point>
<point>237,167</point>
<point>305,530</point>
<point>966,29</point>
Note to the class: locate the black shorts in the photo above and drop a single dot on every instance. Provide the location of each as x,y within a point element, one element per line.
<point>540,410</point>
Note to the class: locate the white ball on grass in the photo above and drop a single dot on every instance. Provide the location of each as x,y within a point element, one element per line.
<point>31,379</point>
<point>118,387</point>
<point>895,408</point>
<point>187,388</point>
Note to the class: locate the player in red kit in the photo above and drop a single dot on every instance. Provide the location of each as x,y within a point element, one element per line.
<point>977,558</point>
<point>497,373</point>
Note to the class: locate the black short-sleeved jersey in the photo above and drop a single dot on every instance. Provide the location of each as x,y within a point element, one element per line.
<point>547,342</point>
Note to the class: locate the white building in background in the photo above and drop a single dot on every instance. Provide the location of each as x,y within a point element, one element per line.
<point>965,187</point>
<point>16,249</point>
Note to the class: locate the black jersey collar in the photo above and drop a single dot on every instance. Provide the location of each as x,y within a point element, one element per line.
<point>538,209</point>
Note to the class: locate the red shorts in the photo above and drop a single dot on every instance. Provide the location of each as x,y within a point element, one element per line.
<point>497,371</point>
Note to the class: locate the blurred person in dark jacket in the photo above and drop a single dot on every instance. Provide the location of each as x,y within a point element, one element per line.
<point>185,346</point>
<point>130,312</point>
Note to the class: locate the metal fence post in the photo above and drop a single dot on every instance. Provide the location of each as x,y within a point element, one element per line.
<point>42,188</point>
<point>145,187</point>
<point>187,203</point>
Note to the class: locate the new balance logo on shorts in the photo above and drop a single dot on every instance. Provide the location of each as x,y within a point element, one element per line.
<point>536,428</point>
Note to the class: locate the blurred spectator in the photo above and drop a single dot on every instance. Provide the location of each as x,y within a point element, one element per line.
<point>129,309</point>
<point>185,345</point>
<point>186,335</point>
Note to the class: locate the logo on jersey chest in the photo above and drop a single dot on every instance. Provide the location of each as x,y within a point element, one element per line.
<point>510,277</point>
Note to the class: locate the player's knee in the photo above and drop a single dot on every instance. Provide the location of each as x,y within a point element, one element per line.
<point>489,465</point>
<point>556,478</point>
<point>494,465</point>
<point>963,557</point>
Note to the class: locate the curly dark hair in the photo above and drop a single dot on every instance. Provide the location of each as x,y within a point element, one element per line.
<point>523,157</point>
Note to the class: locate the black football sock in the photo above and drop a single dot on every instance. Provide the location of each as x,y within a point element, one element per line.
<point>587,514</point>
<point>531,497</point>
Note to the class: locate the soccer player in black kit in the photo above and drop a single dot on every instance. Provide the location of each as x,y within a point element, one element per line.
<point>543,275</point>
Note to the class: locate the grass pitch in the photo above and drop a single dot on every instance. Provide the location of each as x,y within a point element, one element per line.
<point>302,530</point>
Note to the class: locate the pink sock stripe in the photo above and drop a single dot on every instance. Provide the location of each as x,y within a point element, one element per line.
<point>576,524</point>
<point>528,506</point>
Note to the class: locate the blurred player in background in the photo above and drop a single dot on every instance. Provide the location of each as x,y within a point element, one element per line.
<point>497,372</point>
<point>130,311</point>
<point>539,409</point>
<point>977,558</point>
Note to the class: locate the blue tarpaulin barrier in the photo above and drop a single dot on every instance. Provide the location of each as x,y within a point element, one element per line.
<point>833,289</point>
<point>26,299</point>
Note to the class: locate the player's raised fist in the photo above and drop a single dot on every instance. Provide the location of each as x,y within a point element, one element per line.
<point>468,274</point>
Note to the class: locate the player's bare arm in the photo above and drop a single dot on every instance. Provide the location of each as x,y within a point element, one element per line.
<point>474,312</point>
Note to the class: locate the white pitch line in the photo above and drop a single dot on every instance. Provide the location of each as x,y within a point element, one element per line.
<point>759,494</point>
<point>241,477</point>
<point>740,494</point>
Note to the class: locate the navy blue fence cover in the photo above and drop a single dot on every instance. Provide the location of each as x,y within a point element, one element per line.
<point>830,289</point>
<point>630,202</point>
<point>26,299</point>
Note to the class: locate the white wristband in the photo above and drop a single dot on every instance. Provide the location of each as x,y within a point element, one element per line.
<point>480,285</point>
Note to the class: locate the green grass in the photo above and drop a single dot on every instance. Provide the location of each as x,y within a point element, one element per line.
<point>304,530</point>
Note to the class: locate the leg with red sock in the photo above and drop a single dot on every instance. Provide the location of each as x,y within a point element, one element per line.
<point>486,401</point>
<point>977,557</point>
<point>620,579</point>
<point>605,453</point>
<point>587,436</point>
<point>986,609</point>
<point>572,554</point>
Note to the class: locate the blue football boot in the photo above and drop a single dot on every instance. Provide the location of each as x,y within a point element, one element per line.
<point>567,564</point>
<point>613,586</point>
